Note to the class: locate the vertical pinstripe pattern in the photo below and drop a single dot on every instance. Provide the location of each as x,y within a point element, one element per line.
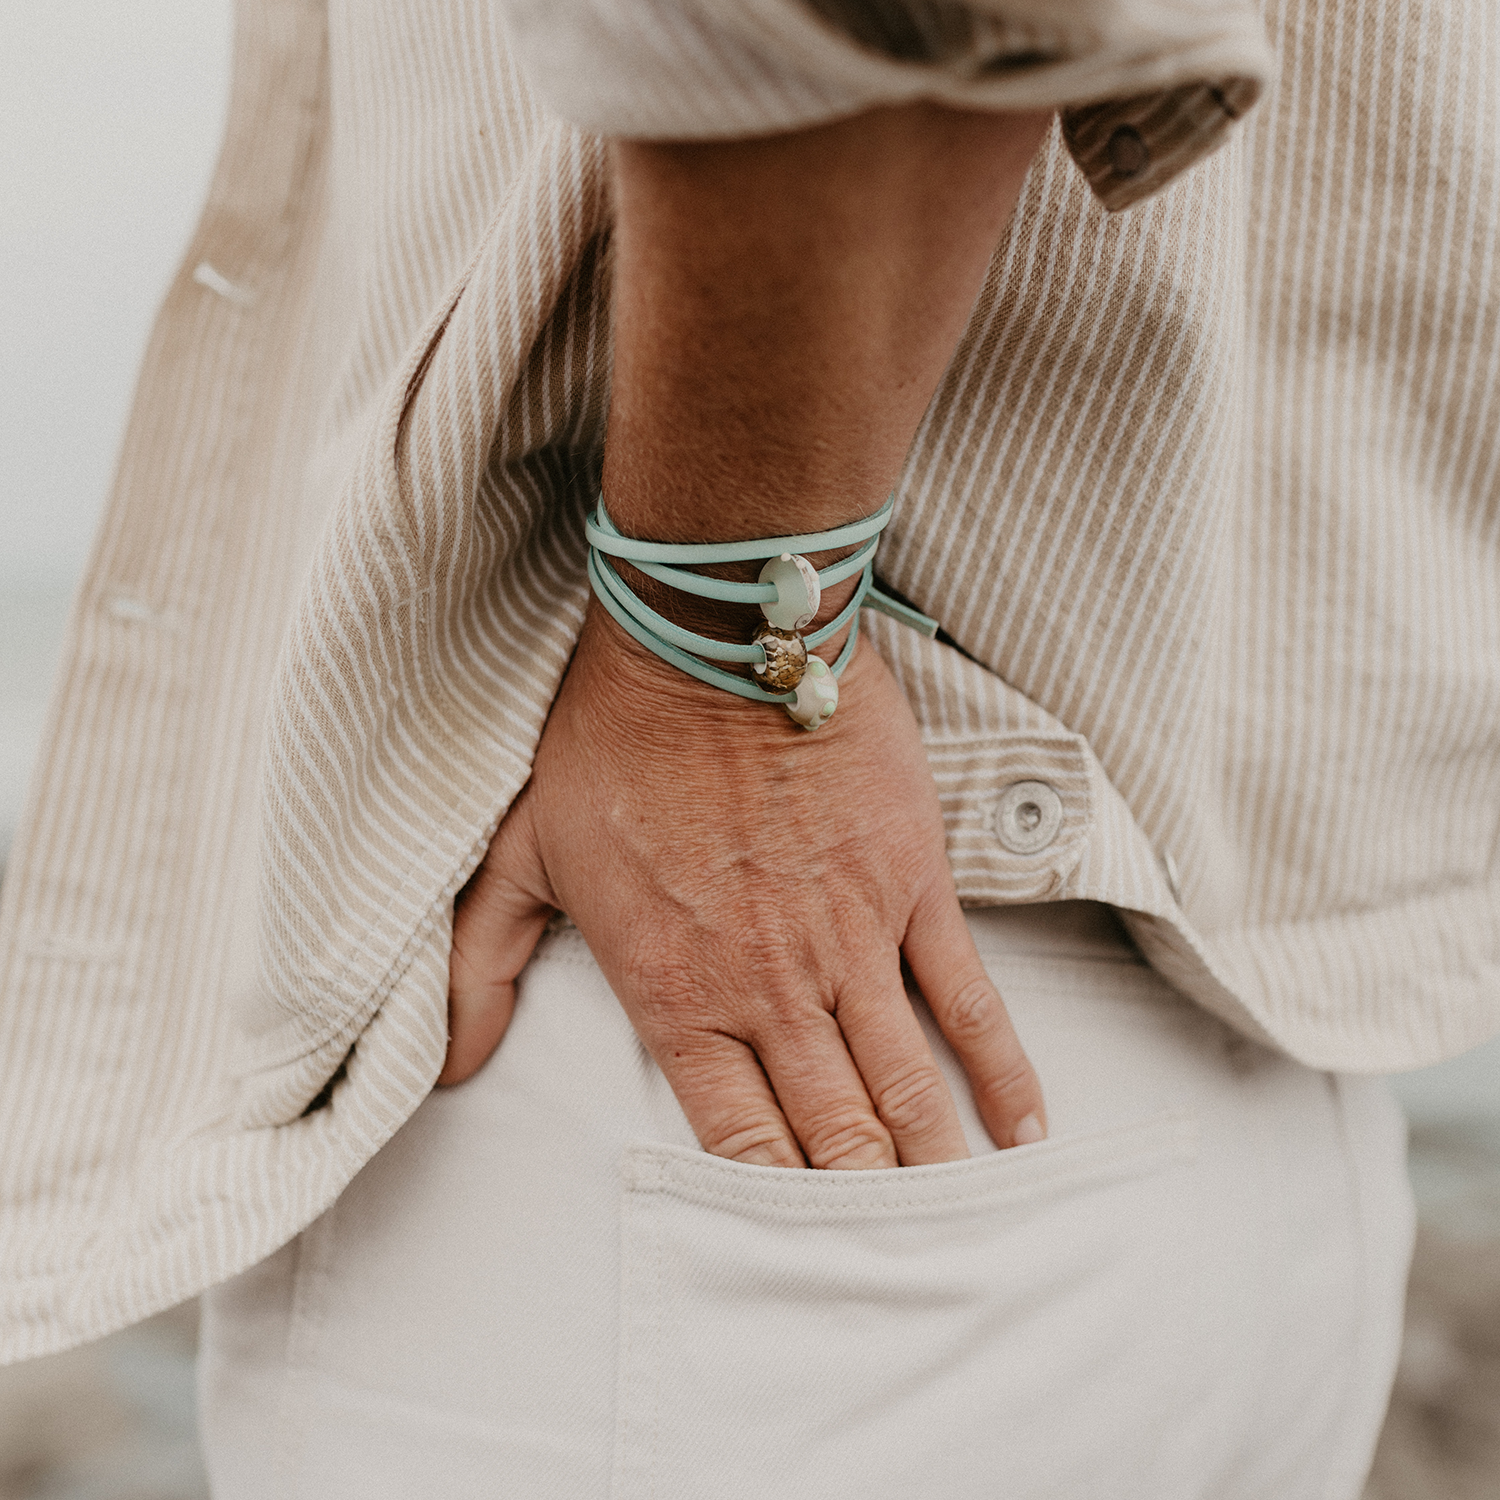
<point>1209,499</point>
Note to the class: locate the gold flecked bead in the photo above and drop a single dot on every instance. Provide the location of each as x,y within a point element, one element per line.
<point>786,659</point>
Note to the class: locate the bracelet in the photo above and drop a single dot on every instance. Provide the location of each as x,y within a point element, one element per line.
<point>788,592</point>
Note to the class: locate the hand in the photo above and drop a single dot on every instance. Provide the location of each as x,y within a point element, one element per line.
<point>748,889</point>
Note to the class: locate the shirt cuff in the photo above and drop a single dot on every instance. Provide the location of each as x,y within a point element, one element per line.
<point>1145,87</point>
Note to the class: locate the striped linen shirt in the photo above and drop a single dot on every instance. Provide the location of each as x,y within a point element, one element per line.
<point>1207,504</point>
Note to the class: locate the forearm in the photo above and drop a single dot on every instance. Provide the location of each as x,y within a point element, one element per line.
<point>785,307</point>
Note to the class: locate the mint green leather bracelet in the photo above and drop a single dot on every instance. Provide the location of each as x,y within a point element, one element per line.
<point>788,593</point>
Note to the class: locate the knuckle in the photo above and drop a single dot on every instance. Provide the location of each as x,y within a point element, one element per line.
<point>762,1140</point>
<point>766,954</point>
<point>478,894</point>
<point>1015,1078</point>
<point>972,1011</point>
<point>490,896</point>
<point>912,1101</point>
<point>849,1140</point>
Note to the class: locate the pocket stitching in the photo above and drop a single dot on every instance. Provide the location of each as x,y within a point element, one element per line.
<point>1140,1149</point>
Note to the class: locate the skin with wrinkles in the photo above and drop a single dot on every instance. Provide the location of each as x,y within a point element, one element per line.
<point>783,311</point>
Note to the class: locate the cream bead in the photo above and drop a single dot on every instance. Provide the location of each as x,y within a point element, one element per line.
<point>817,695</point>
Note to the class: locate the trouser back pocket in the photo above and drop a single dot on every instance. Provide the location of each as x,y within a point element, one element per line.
<point>876,1334</point>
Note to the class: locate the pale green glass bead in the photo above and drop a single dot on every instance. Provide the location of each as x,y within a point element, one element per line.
<point>798,592</point>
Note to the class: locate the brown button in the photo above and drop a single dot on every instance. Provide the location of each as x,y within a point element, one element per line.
<point>1127,152</point>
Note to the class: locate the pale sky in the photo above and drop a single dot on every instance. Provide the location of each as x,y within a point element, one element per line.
<point>110,116</point>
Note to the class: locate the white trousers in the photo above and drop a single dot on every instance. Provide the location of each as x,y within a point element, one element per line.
<point>542,1290</point>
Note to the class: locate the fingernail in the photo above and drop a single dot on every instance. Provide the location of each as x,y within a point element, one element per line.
<point>1029,1132</point>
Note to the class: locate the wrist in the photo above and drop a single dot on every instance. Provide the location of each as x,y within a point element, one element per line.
<point>781,652</point>
<point>725,621</point>
<point>623,677</point>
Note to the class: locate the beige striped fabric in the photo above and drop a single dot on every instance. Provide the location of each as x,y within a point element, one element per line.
<point>1176,73</point>
<point>1208,505</point>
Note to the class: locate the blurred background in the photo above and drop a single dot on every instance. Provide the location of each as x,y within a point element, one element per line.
<point>109,122</point>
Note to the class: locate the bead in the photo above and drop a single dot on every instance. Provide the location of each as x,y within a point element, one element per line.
<point>798,592</point>
<point>817,695</point>
<point>786,658</point>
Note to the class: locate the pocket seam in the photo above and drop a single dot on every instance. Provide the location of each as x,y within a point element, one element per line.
<point>1140,1149</point>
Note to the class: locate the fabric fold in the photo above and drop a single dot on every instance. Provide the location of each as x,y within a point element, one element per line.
<point>1146,90</point>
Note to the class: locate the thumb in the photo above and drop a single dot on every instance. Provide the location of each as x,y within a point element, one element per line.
<point>497,921</point>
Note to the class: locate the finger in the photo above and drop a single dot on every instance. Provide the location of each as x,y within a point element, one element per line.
<point>900,1074</point>
<point>971,1014</point>
<point>822,1094</point>
<point>498,920</point>
<point>728,1101</point>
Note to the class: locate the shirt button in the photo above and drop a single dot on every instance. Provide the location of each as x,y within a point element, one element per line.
<point>1028,817</point>
<point>1128,154</point>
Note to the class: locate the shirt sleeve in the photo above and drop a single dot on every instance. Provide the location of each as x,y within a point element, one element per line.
<point>1145,87</point>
